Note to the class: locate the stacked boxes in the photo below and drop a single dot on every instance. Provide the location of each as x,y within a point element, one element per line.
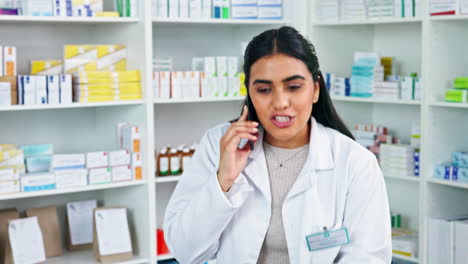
<point>327,11</point>
<point>380,9</point>
<point>94,58</point>
<point>352,10</point>
<point>457,170</point>
<point>219,9</point>
<point>11,166</point>
<point>8,91</point>
<point>397,160</point>
<point>210,77</point>
<point>404,242</point>
<point>365,71</point>
<point>44,89</point>
<point>442,7</point>
<point>130,140</point>
<point>95,86</point>
<point>459,93</point>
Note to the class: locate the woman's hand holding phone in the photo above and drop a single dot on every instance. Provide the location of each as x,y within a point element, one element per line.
<point>232,158</point>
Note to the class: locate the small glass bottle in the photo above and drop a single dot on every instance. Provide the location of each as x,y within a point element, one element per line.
<point>174,160</point>
<point>163,163</point>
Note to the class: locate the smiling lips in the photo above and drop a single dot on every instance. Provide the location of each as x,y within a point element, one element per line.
<point>282,121</point>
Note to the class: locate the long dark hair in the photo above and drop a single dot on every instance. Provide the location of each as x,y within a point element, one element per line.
<point>289,41</point>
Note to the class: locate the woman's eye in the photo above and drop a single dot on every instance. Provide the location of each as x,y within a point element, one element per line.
<point>263,90</point>
<point>294,87</point>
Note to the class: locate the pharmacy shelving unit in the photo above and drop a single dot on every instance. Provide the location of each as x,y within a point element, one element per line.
<point>336,43</point>
<point>433,47</point>
<point>185,121</point>
<point>79,128</point>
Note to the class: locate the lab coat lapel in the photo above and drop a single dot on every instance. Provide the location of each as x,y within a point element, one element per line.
<point>256,169</point>
<point>320,158</point>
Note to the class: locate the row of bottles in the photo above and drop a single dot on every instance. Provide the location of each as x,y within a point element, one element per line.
<point>172,161</point>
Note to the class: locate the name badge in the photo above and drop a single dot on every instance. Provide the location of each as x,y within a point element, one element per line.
<point>328,239</point>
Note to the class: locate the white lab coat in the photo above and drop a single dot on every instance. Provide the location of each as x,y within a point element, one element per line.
<point>340,185</point>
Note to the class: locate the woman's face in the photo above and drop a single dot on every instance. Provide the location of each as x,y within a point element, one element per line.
<point>283,91</point>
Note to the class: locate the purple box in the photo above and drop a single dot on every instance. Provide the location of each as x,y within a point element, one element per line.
<point>9,11</point>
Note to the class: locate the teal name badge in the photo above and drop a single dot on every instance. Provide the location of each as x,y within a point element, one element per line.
<point>328,239</point>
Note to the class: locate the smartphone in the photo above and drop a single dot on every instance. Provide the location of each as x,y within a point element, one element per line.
<point>250,117</point>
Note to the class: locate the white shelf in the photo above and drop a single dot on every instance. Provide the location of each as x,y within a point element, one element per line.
<point>403,178</point>
<point>70,190</point>
<point>165,257</point>
<point>67,106</point>
<point>451,105</point>
<point>161,179</point>
<point>53,19</point>
<point>370,22</point>
<point>199,100</point>
<point>219,21</point>
<point>449,17</point>
<point>412,259</point>
<point>87,257</point>
<point>449,183</point>
<point>373,100</point>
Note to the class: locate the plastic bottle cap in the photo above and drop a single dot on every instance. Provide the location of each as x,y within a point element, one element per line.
<point>163,150</point>
<point>186,150</point>
<point>173,151</point>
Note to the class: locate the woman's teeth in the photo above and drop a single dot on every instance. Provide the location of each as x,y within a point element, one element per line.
<point>282,119</point>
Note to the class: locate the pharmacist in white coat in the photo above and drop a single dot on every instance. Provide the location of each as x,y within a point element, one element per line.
<point>305,193</point>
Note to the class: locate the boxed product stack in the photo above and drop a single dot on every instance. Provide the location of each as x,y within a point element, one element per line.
<point>353,10</point>
<point>11,166</point>
<point>459,93</point>
<point>130,140</point>
<point>405,242</point>
<point>464,7</point>
<point>411,88</point>
<point>380,9</point>
<point>99,86</point>
<point>365,71</point>
<point>386,90</point>
<point>8,91</point>
<point>95,58</point>
<point>456,170</point>
<point>241,9</point>
<point>397,160</point>
<point>447,239</point>
<point>327,11</point>
<point>337,86</point>
<point>210,77</point>
<point>442,7</point>
<point>69,170</point>
<point>270,9</point>
<point>218,9</point>
<point>373,136</point>
<point>407,8</point>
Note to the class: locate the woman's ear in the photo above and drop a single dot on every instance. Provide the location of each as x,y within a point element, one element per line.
<point>316,90</point>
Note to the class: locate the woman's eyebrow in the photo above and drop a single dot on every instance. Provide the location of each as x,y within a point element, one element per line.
<point>293,78</point>
<point>262,81</point>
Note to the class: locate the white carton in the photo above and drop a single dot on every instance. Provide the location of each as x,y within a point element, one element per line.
<point>98,159</point>
<point>65,89</point>
<point>53,90</point>
<point>68,161</point>
<point>10,186</point>
<point>71,178</point>
<point>119,158</point>
<point>122,173</point>
<point>41,89</point>
<point>99,175</point>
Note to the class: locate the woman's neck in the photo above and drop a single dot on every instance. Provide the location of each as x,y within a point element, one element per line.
<point>299,140</point>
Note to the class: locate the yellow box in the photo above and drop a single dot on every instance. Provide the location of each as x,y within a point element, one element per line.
<point>87,99</point>
<point>88,52</point>
<point>47,67</point>
<point>9,154</point>
<point>106,14</point>
<point>77,65</point>
<point>91,93</point>
<point>112,58</point>
<point>7,146</point>
<point>107,76</point>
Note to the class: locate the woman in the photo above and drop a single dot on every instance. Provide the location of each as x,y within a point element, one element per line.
<point>306,193</point>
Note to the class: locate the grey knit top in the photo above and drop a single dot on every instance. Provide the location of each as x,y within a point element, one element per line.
<point>284,165</point>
